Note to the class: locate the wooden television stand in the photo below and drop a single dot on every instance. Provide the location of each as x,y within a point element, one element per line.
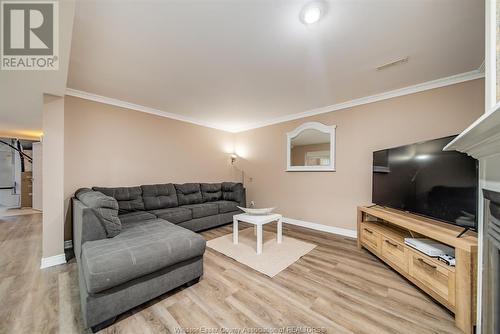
<point>382,231</point>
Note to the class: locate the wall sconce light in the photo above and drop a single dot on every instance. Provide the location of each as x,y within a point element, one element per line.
<point>234,157</point>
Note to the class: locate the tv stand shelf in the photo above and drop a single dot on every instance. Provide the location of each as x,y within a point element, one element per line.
<point>382,231</point>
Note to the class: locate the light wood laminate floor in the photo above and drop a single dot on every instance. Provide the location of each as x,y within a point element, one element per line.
<point>336,287</point>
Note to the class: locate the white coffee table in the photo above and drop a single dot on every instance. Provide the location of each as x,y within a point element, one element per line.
<point>258,221</point>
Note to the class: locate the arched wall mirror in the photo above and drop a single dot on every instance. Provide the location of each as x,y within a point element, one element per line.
<point>311,147</point>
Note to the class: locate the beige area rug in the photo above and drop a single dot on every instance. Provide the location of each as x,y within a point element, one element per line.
<point>274,258</point>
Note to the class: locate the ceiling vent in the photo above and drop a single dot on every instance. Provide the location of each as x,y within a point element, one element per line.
<point>393,63</point>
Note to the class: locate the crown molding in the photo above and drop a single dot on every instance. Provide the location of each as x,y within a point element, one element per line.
<point>447,81</point>
<point>123,104</point>
<point>442,82</point>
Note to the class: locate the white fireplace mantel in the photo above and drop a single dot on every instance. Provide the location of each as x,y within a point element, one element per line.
<point>481,139</point>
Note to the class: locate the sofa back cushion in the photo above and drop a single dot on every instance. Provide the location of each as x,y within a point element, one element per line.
<point>129,198</point>
<point>189,193</point>
<point>159,196</point>
<point>104,207</point>
<point>211,192</point>
<point>232,191</point>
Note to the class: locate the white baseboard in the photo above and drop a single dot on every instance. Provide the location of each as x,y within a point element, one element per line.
<point>68,244</point>
<point>320,227</point>
<point>53,261</point>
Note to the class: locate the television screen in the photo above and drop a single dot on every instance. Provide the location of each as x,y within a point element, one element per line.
<point>423,179</point>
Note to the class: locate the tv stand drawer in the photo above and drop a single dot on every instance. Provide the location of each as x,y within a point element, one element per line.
<point>433,276</point>
<point>370,238</point>
<point>395,253</point>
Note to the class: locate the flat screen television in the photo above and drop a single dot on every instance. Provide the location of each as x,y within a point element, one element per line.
<point>423,179</point>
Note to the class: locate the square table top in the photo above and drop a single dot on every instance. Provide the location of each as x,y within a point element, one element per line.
<point>258,219</point>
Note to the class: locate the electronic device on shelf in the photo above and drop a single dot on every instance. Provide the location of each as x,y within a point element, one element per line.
<point>429,247</point>
<point>447,259</point>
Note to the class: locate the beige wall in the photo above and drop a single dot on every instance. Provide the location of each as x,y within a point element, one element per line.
<point>330,198</point>
<point>111,146</point>
<point>52,169</point>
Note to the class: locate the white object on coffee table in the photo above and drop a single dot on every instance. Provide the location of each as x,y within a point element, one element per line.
<point>258,221</point>
<point>257,212</point>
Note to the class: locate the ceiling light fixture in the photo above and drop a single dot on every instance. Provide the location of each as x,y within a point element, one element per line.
<point>311,13</point>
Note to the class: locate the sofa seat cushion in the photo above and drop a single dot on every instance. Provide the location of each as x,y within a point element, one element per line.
<point>174,215</point>
<point>203,209</point>
<point>140,249</point>
<point>227,206</point>
<point>137,216</point>
<point>129,198</point>
<point>188,193</point>
<point>159,196</point>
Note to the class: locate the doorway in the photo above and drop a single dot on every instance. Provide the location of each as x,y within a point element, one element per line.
<point>16,174</point>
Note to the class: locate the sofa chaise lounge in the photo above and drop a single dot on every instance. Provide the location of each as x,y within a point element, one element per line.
<point>133,244</point>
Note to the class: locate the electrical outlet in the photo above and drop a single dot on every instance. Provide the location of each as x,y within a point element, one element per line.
<point>252,204</point>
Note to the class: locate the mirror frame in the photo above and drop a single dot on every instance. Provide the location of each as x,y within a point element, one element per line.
<point>330,129</point>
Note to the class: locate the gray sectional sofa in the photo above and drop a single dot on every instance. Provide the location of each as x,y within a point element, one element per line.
<point>133,244</point>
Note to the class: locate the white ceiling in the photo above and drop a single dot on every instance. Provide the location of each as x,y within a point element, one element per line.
<point>235,63</point>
